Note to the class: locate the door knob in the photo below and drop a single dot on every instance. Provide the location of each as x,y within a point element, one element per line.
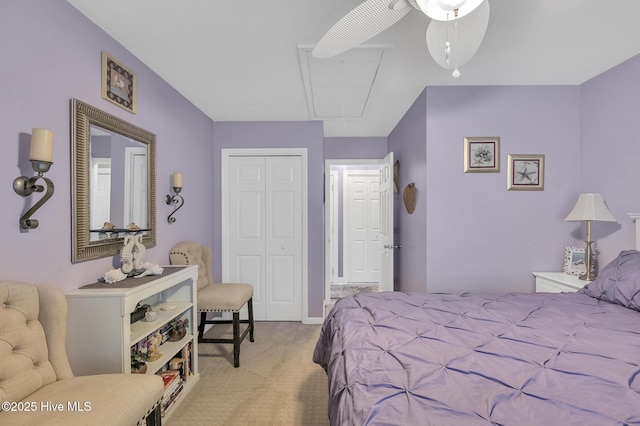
<point>389,246</point>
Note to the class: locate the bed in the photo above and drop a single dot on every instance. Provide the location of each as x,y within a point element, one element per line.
<point>514,359</point>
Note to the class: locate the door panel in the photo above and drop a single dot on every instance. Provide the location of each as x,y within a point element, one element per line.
<point>265,232</point>
<point>362,226</point>
<point>249,270</point>
<point>245,225</point>
<point>281,267</point>
<point>250,220</point>
<point>283,245</point>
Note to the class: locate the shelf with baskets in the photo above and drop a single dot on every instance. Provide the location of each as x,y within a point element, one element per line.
<point>105,328</point>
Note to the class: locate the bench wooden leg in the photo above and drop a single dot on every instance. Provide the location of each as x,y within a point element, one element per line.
<point>250,310</point>
<point>203,321</point>
<point>238,334</point>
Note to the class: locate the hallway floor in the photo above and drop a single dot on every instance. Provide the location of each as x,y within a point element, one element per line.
<point>339,291</point>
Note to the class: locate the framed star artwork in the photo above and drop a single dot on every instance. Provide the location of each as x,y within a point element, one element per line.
<point>525,172</point>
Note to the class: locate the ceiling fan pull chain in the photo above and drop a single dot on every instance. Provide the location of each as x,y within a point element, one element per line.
<point>456,71</point>
<point>447,51</point>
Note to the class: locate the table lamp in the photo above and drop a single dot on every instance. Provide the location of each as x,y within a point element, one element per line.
<point>589,208</point>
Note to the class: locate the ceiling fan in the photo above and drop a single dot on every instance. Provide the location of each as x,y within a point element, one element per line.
<point>453,36</point>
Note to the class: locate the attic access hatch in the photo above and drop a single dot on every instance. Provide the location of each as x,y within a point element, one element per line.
<point>340,87</point>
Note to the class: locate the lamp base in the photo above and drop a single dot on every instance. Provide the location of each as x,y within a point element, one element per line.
<point>587,277</point>
<point>589,262</point>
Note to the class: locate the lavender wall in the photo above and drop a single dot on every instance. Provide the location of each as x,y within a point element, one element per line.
<point>349,148</point>
<point>610,153</point>
<point>479,236</point>
<point>308,134</point>
<point>407,141</point>
<point>482,237</point>
<point>52,53</point>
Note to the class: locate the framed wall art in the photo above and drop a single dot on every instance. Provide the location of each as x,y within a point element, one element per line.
<point>525,172</point>
<point>481,154</point>
<point>118,83</point>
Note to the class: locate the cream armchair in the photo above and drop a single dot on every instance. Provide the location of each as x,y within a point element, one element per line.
<point>37,385</point>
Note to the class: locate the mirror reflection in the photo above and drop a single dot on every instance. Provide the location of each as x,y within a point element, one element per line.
<point>112,182</point>
<point>117,181</point>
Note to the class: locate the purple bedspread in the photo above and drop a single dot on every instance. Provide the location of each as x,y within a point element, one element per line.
<point>517,359</point>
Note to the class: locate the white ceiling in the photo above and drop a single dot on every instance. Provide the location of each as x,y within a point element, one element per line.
<point>239,60</point>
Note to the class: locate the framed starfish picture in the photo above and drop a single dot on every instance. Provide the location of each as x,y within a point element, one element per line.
<point>525,172</point>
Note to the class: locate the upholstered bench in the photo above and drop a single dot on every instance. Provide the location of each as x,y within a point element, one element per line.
<point>37,386</point>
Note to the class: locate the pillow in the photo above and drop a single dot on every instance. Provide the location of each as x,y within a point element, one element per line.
<point>619,281</point>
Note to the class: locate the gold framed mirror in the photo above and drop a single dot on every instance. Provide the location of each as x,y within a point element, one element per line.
<point>112,181</point>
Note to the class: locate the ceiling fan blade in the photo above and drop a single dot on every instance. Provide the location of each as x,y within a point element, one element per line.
<point>362,23</point>
<point>464,41</point>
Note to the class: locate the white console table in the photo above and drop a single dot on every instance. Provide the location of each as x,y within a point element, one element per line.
<point>100,333</point>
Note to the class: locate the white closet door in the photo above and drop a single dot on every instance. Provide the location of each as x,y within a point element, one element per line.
<point>284,241</point>
<point>246,226</point>
<point>265,223</point>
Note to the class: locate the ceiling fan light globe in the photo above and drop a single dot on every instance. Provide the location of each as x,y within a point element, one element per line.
<point>452,50</point>
<point>449,5</point>
<point>444,10</point>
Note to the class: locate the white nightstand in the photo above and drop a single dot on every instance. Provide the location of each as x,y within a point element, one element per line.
<point>558,282</point>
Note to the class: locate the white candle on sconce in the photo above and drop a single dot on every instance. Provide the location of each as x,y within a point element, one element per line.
<point>41,145</point>
<point>177,180</point>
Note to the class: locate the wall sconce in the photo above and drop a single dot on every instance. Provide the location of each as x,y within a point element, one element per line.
<point>176,198</point>
<point>40,155</point>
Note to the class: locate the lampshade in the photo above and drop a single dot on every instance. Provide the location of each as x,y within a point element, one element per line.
<point>464,41</point>
<point>444,10</point>
<point>590,207</point>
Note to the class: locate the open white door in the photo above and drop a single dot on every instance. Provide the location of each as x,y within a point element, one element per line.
<point>386,223</point>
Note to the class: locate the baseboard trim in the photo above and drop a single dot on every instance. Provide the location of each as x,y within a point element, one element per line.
<point>313,320</point>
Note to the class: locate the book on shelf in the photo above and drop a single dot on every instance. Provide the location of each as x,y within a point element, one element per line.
<point>186,356</point>
<point>169,376</point>
<point>170,399</point>
<point>171,389</point>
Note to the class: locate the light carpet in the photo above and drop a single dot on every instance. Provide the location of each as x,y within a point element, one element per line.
<point>277,382</point>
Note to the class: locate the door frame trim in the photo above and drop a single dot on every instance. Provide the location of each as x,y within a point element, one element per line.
<point>332,200</point>
<point>327,213</point>
<point>226,154</point>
